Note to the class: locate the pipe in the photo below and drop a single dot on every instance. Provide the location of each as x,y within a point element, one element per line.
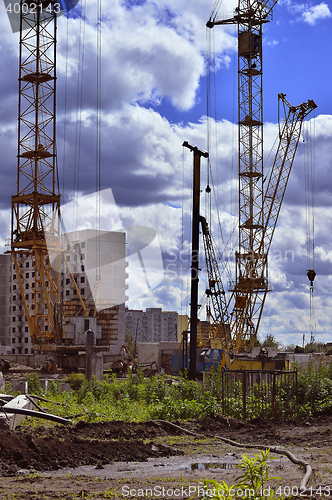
<point>288,454</point>
<point>33,413</point>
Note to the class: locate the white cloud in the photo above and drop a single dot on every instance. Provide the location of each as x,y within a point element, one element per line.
<point>152,54</point>
<point>310,14</point>
<point>313,14</point>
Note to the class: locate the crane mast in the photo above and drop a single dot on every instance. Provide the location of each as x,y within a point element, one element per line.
<point>258,208</point>
<point>250,16</point>
<point>35,232</point>
<point>36,198</point>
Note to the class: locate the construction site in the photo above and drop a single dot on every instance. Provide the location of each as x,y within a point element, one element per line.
<point>63,296</point>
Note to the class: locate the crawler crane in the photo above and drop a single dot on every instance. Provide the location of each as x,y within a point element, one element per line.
<point>259,208</point>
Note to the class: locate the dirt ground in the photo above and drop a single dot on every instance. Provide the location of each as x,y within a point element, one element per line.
<point>155,459</point>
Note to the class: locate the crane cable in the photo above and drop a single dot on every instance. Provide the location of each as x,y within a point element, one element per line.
<point>98,137</point>
<point>309,178</point>
<point>79,107</point>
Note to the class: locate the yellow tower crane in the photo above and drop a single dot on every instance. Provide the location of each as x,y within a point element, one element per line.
<point>34,227</point>
<point>258,207</point>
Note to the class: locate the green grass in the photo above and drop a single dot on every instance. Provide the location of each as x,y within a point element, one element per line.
<point>137,399</point>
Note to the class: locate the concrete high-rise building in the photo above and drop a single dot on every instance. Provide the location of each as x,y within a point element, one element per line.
<point>153,325</point>
<point>97,263</point>
<point>5,295</point>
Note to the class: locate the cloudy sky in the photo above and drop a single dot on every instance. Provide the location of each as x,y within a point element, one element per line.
<point>153,97</point>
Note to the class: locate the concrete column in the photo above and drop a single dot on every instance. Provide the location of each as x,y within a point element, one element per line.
<point>88,353</point>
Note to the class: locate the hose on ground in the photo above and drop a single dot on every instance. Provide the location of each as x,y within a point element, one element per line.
<point>307,467</point>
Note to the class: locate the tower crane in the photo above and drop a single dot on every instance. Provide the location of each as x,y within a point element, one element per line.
<point>36,200</point>
<point>258,208</point>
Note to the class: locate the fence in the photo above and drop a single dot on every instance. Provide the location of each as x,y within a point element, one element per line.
<point>259,393</point>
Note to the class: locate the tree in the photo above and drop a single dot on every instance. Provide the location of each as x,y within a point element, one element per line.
<point>271,341</point>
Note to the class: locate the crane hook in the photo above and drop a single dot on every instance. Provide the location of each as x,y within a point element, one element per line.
<point>311,276</point>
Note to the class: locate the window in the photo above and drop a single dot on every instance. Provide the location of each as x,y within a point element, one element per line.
<point>19,329</point>
<point>20,307</point>
<point>82,256</point>
<point>67,293</point>
<point>74,292</point>
<point>26,329</point>
<point>82,291</point>
<point>75,258</point>
<point>82,269</point>
<point>14,276</point>
<point>14,319</point>
<point>27,296</point>
<point>68,247</point>
<point>82,279</point>
<point>27,264</point>
<point>46,328</point>
<point>13,351</point>
<point>14,287</point>
<point>67,281</point>
<point>14,297</point>
<point>27,275</point>
<point>13,329</point>
<point>19,340</point>
<point>33,285</point>
<point>26,351</point>
<point>68,258</point>
<point>26,339</point>
<point>27,286</point>
<point>14,308</point>
<point>20,350</point>
<point>83,244</point>
<point>13,340</point>
<point>75,269</point>
<point>33,274</point>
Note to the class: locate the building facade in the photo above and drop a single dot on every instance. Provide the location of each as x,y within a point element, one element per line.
<point>152,325</point>
<point>93,267</point>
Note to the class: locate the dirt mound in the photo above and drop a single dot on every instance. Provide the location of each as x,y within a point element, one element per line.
<point>105,442</point>
<point>100,443</point>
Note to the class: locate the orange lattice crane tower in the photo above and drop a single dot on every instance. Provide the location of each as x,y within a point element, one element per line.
<point>250,17</point>
<point>36,199</point>
<point>258,207</point>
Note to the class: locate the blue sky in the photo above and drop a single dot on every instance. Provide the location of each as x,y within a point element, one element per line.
<point>153,98</point>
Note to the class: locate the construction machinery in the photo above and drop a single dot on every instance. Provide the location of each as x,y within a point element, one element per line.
<point>38,247</point>
<point>237,320</point>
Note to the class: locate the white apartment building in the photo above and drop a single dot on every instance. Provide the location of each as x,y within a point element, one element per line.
<point>153,325</point>
<point>96,261</point>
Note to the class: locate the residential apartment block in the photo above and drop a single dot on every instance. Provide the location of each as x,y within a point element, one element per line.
<point>153,325</point>
<point>94,264</point>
